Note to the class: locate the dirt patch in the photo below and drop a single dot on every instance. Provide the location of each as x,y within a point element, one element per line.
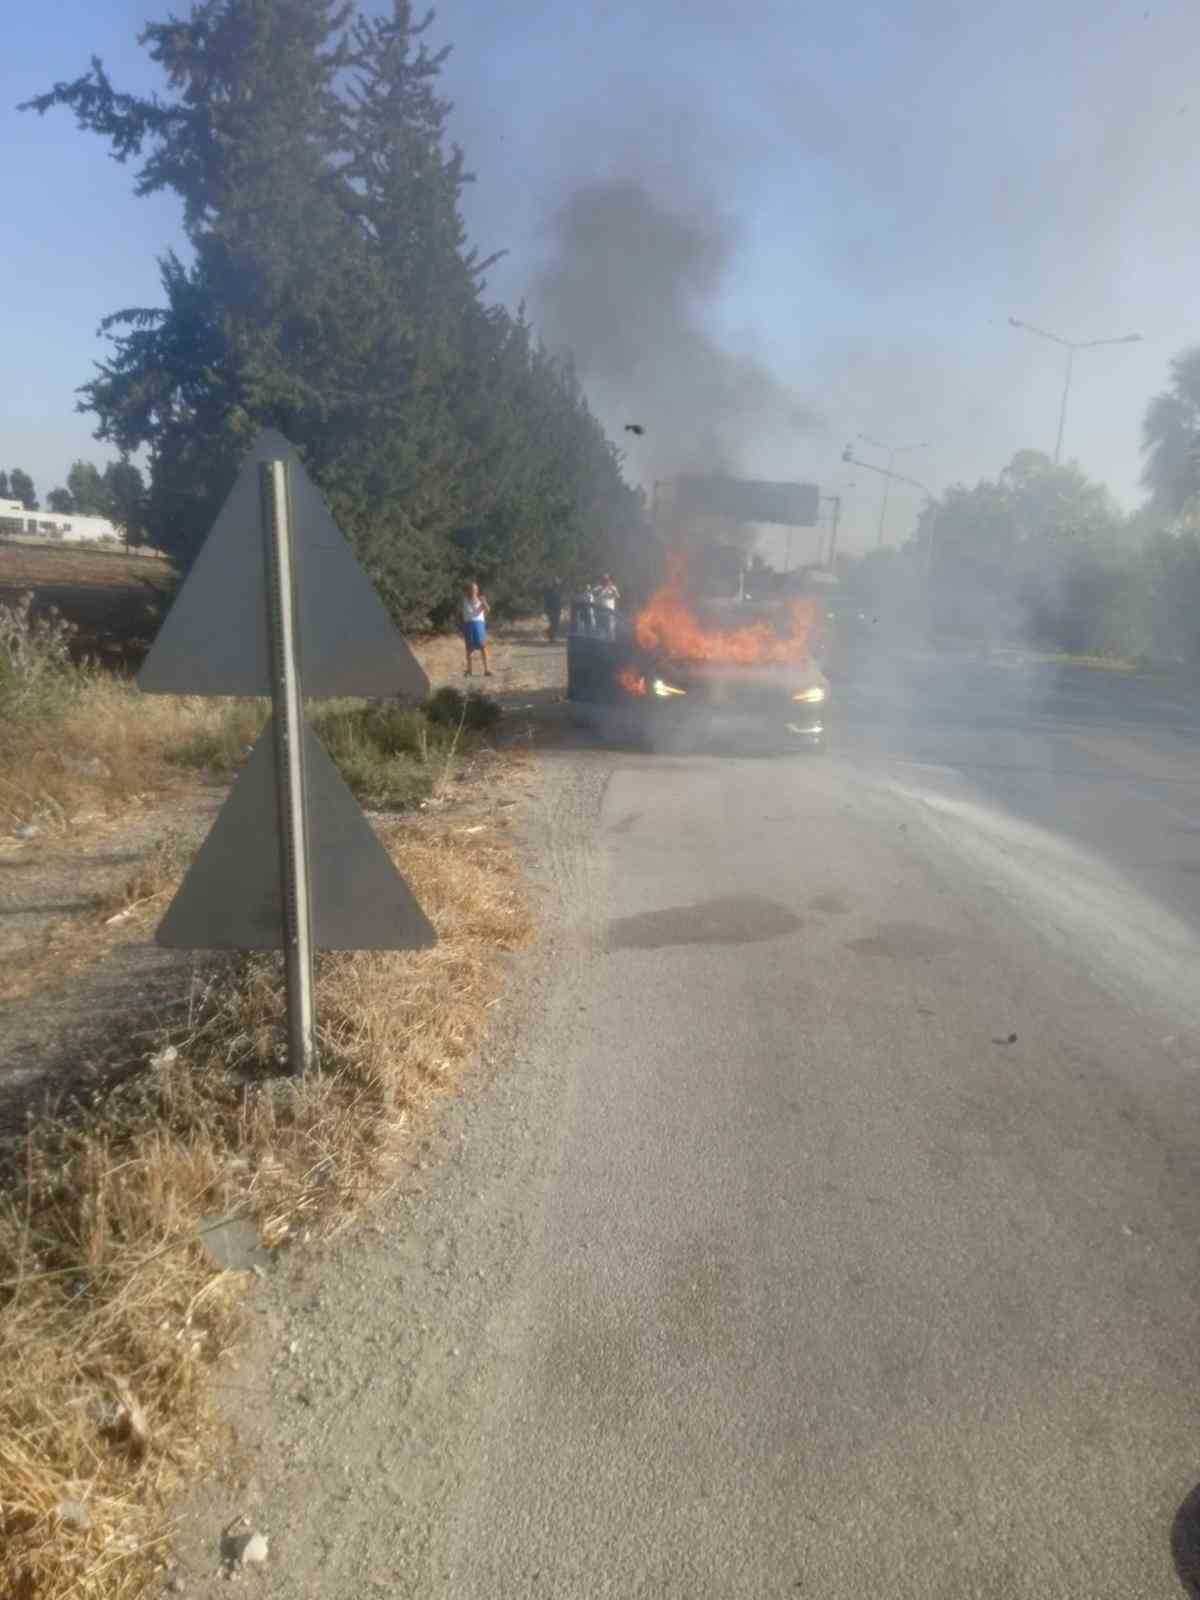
<point>522,663</point>
<point>114,598</point>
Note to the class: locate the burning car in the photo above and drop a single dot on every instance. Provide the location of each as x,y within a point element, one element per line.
<point>705,666</point>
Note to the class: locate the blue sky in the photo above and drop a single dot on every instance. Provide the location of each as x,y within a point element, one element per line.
<point>889,183</point>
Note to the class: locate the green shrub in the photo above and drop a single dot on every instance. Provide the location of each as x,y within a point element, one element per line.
<point>388,754</point>
<point>449,707</point>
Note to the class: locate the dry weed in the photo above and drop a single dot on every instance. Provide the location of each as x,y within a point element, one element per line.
<point>103,748</point>
<point>112,1314</point>
<point>111,917</point>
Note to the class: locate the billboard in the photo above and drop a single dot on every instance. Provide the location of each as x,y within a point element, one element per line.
<point>796,505</point>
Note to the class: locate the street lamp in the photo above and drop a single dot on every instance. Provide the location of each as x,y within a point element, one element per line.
<point>1070,345</point>
<point>914,483</point>
<point>893,450</point>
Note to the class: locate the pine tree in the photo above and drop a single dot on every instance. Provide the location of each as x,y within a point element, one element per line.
<point>247,142</point>
<point>332,293</point>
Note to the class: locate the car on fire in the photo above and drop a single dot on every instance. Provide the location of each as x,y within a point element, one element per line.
<point>700,666</point>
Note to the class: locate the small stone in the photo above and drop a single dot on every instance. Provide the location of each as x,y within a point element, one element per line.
<point>165,1058</point>
<point>75,1514</point>
<point>27,830</point>
<point>241,1549</point>
<point>86,766</point>
<point>254,1552</point>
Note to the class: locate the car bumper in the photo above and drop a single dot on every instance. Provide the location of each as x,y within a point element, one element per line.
<point>671,727</point>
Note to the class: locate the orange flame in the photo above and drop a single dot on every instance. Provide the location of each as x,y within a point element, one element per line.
<point>631,681</point>
<point>668,626</point>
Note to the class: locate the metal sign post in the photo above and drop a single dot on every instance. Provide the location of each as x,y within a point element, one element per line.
<point>277,605</point>
<point>292,796</point>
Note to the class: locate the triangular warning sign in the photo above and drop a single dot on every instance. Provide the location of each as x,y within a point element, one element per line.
<point>231,898</point>
<point>214,639</point>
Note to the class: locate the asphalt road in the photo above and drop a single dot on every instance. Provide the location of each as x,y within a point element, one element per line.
<point>866,1259</point>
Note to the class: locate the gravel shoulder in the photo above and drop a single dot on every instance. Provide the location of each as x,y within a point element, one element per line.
<point>68,975</point>
<point>372,1358</point>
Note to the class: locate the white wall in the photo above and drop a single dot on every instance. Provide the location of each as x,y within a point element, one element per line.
<point>16,522</point>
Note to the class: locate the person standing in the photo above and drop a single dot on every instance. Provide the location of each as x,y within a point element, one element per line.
<point>583,609</point>
<point>474,621</point>
<point>552,600</point>
<point>608,598</point>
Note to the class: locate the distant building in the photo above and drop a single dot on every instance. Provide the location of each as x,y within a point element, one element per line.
<point>17,523</point>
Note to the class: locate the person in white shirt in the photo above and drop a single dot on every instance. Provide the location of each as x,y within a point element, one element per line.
<point>474,622</point>
<point>608,597</point>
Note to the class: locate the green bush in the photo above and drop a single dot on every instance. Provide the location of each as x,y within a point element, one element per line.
<point>450,708</point>
<point>389,755</point>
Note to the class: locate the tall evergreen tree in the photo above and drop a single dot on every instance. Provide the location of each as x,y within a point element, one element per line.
<point>331,292</point>
<point>246,142</point>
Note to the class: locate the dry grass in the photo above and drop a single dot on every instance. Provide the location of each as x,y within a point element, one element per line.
<point>101,748</point>
<point>104,748</point>
<point>115,915</point>
<point>112,1315</point>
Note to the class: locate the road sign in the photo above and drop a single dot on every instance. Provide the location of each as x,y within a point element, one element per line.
<point>749,500</point>
<point>291,862</point>
<point>214,641</point>
<point>232,899</point>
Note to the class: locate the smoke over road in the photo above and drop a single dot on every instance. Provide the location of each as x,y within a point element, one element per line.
<point>629,290</point>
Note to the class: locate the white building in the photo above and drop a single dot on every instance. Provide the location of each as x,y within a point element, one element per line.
<point>17,523</point>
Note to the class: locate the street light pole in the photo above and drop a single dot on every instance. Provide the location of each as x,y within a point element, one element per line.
<point>893,451</point>
<point>913,483</point>
<point>1062,410</point>
<point>832,530</point>
<point>887,489</point>
<point>1070,346</point>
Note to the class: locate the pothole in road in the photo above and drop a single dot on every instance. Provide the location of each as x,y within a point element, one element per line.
<point>732,919</point>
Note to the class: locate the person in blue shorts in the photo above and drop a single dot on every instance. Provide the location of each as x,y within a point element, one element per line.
<point>474,621</point>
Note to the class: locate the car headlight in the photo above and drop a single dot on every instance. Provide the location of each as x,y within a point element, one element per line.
<point>810,697</point>
<point>665,690</point>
